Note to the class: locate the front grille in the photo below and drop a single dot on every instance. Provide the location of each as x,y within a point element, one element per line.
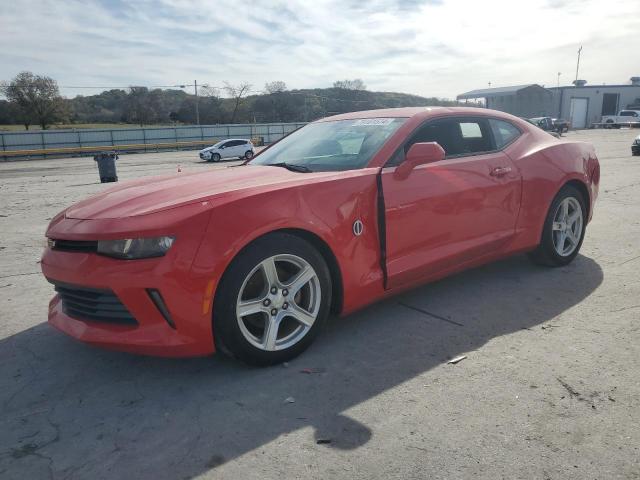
<point>74,245</point>
<point>93,304</point>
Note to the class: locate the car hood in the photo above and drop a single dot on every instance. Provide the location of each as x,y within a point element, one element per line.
<point>155,194</point>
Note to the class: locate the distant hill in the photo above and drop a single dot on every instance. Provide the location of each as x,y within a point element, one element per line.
<point>141,106</point>
<point>163,106</point>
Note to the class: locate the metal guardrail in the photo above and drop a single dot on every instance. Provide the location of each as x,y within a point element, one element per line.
<point>116,148</point>
<point>86,141</point>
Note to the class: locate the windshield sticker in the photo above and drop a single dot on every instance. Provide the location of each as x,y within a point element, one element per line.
<point>372,121</point>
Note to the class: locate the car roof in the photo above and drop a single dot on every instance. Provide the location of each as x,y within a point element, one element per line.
<point>230,139</point>
<point>422,112</point>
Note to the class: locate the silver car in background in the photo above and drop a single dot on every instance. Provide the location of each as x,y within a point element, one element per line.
<point>230,148</point>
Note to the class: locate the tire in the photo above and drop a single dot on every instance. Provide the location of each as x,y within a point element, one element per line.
<point>245,286</point>
<point>248,155</point>
<point>215,157</point>
<point>555,226</point>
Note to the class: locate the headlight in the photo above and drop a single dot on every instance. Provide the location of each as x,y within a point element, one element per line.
<point>132,248</point>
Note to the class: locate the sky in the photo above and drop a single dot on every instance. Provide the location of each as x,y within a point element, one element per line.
<point>435,48</point>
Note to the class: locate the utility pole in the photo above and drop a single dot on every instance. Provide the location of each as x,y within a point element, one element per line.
<point>306,110</point>
<point>578,64</point>
<point>559,95</point>
<point>195,86</point>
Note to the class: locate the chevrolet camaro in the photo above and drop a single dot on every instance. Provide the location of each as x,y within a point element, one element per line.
<point>250,260</point>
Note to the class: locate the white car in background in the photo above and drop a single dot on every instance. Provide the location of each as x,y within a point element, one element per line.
<point>230,148</point>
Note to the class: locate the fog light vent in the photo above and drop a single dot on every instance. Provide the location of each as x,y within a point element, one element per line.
<point>158,301</point>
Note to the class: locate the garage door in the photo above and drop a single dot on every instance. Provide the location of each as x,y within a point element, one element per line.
<point>579,112</point>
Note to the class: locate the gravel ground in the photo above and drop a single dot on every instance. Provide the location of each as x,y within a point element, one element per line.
<point>550,387</point>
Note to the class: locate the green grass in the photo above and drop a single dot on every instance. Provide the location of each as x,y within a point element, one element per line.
<point>20,128</point>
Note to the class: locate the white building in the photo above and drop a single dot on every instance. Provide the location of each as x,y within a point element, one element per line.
<point>585,105</point>
<point>580,103</point>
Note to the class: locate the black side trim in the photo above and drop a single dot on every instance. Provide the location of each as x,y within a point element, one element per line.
<point>382,229</point>
<point>158,301</point>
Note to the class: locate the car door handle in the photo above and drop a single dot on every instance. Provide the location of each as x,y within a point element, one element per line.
<point>500,171</point>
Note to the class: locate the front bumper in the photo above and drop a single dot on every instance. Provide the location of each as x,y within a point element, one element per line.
<point>635,149</point>
<point>130,281</point>
<point>187,296</point>
<point>205,155</point>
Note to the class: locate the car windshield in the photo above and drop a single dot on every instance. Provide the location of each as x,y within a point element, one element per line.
<point>331,146</point>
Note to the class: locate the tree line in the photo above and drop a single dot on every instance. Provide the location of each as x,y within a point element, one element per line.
<point>35,100</point>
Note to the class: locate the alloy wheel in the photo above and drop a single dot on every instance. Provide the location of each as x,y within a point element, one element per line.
<point>567,226</point>
<point>278,302</point>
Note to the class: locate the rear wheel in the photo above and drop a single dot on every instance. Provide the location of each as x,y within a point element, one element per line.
<point>272,301</point>
<point>563,230</point>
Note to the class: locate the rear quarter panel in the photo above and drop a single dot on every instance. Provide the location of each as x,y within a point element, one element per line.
<point>546,165</point>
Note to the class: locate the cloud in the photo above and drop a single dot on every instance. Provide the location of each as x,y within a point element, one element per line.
<point>431,48</point>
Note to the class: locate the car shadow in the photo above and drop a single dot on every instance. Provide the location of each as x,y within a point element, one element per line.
<point>224,160</point>
<point>73,410</point>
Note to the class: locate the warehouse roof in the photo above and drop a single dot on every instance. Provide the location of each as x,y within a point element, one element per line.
<point>496,92</point>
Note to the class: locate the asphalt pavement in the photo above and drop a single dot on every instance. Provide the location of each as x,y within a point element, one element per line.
<point>549,388</point>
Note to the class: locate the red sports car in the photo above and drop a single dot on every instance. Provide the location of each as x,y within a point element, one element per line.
<point>250,260</point>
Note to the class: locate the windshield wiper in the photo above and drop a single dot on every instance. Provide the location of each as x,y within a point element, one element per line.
<point>291,166</point>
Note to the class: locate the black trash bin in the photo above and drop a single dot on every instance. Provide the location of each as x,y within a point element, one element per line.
<point>107,166</point>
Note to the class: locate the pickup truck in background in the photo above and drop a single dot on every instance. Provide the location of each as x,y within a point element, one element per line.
<point>625,118</point>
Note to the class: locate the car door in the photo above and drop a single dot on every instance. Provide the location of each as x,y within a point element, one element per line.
<point>223,149</point>
<point>242,148</point>
<point>229,149</point>
<point>450,212</point>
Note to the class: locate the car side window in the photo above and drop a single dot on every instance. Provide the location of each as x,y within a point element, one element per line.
<point>455,136</point>
<point>503,132</point>
<point>476,136</point>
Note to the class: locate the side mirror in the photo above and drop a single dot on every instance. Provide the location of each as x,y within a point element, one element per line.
<point>419,154</point>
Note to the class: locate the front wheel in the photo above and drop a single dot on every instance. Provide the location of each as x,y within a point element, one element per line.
<point>215,157</point>
<point>248,155</point>
<point>272,301</point>
<point>563,230</point>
